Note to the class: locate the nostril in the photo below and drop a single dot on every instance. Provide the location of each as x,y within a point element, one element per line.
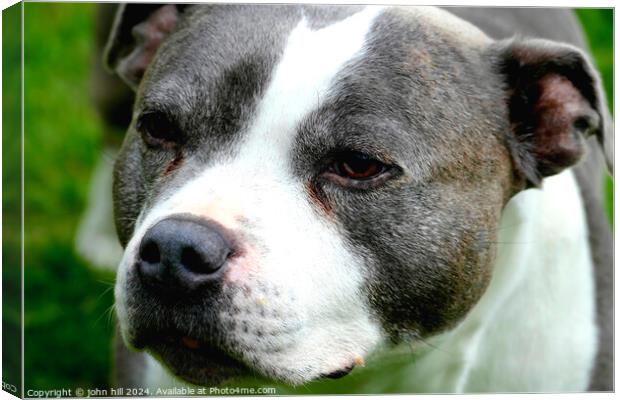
<point>150,253</point>
<point>181,254</point>
<point>192,260</point>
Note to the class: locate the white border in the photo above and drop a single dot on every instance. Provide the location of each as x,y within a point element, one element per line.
<point>525,3</point>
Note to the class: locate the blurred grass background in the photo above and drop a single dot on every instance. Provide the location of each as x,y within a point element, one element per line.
<point>67,327</point>
<point>11,199</point>
<point>67,333</point>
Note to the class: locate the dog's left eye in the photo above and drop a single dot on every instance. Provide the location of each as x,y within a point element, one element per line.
<point>357,170</point>
<point>157,129</point>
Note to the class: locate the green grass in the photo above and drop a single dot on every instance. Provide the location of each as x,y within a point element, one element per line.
<point>598,24</point>
<point>599,33</point>
<point>67,330</point>
<point>11,199</point>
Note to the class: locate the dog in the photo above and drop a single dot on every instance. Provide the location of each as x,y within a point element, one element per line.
<point>306,192</point>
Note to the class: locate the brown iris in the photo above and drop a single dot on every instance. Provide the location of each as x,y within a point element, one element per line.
<point>358,166</point>
<point>357,170</point>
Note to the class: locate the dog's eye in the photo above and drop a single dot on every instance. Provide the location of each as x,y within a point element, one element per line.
<point>358,166</point>
<point>357,170</point>
<point>157,129</point>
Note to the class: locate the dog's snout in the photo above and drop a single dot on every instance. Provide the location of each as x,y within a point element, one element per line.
<point>182,254</point>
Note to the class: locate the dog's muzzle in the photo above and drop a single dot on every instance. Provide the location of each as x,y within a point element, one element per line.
<point>195,294</point>
<point>175,294</point>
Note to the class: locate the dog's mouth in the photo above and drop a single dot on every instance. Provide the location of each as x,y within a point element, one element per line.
<point>203,363</point>
<point>194,360</point>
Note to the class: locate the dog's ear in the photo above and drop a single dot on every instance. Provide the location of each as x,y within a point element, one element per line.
<point>555,102</point>
<point>136,34</point>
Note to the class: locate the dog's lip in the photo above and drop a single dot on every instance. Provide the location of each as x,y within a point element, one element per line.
<point>340,373</point>
<point>191,358</point>
<point>189,344</point>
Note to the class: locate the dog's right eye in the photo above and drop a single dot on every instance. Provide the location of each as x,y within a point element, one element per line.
<point>157,129</point>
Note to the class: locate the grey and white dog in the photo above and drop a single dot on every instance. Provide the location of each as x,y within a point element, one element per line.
<point>307,189</point>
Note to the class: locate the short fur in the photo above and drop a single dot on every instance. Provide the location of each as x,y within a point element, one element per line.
<point>327,276</point>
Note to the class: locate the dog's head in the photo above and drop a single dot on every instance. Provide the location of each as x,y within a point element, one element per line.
<point>300,184</point>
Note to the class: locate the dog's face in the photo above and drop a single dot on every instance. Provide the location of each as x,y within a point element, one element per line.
<point>300,184</point>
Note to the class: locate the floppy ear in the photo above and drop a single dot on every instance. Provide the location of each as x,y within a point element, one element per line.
<point>137,33</point>
<point>555,102</point>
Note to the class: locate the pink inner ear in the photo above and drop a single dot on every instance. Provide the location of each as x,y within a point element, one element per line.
<point>158,25</point>
<point>559,106</point>
<point>149,35</point>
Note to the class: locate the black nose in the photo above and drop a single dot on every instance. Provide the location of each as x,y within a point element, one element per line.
<point>181,253</point>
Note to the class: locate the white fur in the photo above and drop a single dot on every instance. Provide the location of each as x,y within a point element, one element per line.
<point>288,245</point>
<point>310,61</point>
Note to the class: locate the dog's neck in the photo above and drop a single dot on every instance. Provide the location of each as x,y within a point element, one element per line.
<point>542,289</point>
